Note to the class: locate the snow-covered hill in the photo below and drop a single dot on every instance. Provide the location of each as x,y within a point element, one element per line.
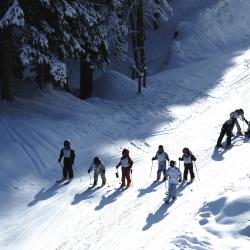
<point>182,106</point>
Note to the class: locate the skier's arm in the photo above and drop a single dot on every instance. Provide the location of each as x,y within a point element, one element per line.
<point>91,167</point>
<point>193,158</point>
<point>166,157</point>
<point>61,155</point>
<point>130,162</point>
<point>118,165</point>
<point>72,156</point>
<point>155,157</point>
<point>246,121</point>
<point>181,158</point>
<point>103,168</point>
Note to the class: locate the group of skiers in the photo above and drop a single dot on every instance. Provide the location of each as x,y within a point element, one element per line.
<point>228,126</point>
<point>172,173</point>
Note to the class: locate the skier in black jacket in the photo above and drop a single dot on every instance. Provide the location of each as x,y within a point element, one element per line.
<point>188,159</point>
<point>226,129</point>
<point>68,156</point>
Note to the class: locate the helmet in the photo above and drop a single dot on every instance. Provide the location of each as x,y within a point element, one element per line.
<point>160,147</point>
<point>185,150</point>
<point>97,160</point>
<point>125,151</point>
<point>172,163</point>
<point>241,111</point>
<point>66,143</point>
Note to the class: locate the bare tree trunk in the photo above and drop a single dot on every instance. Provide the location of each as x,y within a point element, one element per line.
<point>86,78</point>
<point>7,65</point>
<point>156,16</point>
<point>41,75</point>
<point>141,38</point>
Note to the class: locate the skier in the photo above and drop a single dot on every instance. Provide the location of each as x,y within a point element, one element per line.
<point>99,169</point>
<point>68,155</point>
<point>238,113</point>
<point>174,175</point>
<point>188,159</point>
<point>247,133</point>
<point>126,164</point>
<point>162,157</point>
<point>227,129</point>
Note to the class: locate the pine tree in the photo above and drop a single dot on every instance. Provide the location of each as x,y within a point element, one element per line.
<point>11,16</point>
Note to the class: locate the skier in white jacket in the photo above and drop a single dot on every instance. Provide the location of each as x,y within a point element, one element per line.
<point>174,175</point>
<point>162,157</point>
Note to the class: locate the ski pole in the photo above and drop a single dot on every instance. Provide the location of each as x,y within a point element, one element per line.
<point>131,177</point>
<point>196,171</point>
<point>166,186</point>
<point>151,168</point>
<point>117,175</point>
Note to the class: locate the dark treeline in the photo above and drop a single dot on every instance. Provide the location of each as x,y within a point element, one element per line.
<point>38,38</point>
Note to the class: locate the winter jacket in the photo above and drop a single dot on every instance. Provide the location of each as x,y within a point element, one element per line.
<point>68,154</point>
<point>125,162</point>
<point>174,175</point>
<point>97,168</point>
<point>161,157</point>
<point>188,159</point>
<point>228,125</point>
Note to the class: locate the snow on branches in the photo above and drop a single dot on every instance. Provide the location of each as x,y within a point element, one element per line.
<point>13,16</point>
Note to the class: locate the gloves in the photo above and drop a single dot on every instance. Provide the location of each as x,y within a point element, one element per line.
<point>59,160</point>
<point>180,158</point>
<point>180,180</point>
<point>117,167</point>
<point>153,159</point>
<point>103,171</point>
<point>89,171</point>
<point>131,170</point>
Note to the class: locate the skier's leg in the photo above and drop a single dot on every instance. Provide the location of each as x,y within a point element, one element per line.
<point>222,133</point>
<point>237,126</point>
<point>123,176</point>
<point>185,173</point>
<point>164,174</point>
<point>103,178</point>
<point>158,173</point>
<point>174,191</point>
<point>65,171</point>
<point>95,178</point>
<point>128,176</point>
<point>169,193</point>
<point>191,171</point>
<point>229,137</point>
<point>70,171</point>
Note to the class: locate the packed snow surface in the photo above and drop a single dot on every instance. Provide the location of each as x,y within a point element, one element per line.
<point>181,107</point>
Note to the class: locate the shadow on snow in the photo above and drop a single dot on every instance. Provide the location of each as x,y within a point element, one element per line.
<point>236,141</point>
<point>159,213</point>
<point>45,194</point>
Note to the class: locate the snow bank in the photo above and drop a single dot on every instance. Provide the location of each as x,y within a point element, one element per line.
<point>217,30</point>
<point>114,86</point>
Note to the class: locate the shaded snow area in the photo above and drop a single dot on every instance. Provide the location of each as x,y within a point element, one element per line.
<point>182,107</point>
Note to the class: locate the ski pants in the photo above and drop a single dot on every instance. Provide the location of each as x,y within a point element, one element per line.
<point>172,191</point>
<point>222,134</point>
<point>101,173</point>
<point>188,167</point>
<point>126,175</point>
<point>161,169</point>
<point>67,169</point>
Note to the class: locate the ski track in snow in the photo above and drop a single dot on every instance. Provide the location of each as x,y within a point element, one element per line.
<point>115,212</point>
<point>183,110</point>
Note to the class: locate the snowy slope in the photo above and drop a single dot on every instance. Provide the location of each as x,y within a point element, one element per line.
<point>181,107</point>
